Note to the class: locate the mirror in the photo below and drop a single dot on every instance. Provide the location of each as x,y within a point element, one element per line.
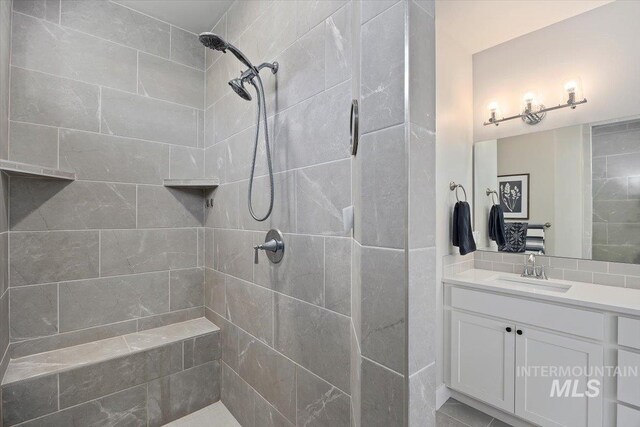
<point>569,192</point>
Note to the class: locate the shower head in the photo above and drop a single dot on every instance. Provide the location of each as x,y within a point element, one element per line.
<point>215,42</point>
<point>238,87</point>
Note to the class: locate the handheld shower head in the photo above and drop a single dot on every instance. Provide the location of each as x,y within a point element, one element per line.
<point>215,42</point>
<point>238,87</point>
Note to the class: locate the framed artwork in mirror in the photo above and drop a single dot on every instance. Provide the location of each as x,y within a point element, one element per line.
<point>514,195</point>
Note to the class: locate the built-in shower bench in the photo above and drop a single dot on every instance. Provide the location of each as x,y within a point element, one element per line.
<point>153,376</point>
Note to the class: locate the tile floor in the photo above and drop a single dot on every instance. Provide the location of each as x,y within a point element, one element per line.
<point>216,415</point>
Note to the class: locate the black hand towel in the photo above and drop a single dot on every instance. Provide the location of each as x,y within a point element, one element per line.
<point>496,225</point>
<point>462,235</point>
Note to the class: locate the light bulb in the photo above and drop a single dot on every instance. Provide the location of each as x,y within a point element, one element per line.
<point>493,107</point>
<point>529,97</point>
<point>570,86</point>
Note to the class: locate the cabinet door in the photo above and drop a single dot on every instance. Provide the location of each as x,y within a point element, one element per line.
<point>482,359</point>
<point>567,402</point>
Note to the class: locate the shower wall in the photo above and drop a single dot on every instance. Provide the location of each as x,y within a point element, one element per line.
<point>286,330</point>
<point>118,98</point>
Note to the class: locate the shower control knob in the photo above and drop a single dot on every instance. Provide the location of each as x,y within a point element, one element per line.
<point>273,246</point>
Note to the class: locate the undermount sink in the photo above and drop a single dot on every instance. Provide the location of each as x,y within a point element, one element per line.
<point>532,285</point>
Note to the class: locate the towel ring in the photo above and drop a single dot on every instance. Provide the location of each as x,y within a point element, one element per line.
<point>454,187</point>
<point>494,196</point>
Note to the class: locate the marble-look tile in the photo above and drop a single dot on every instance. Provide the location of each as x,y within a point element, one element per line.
<point>41,204</point>
<point>323,137</point>
<point>201,129</point>
<point>383,306</point>
<point>93,381</point>
<point>271,32</point>
<point>220,28</point>
<point>633,183</point>
<point>269,373</point>
<point>382,396</point>
<point>151,322</point>
<point>42,46</point>
<point>201,234</point>
<point>315,338</point>
<point>465,414</point>
<point>319,403</point>
<point>127,408</point>
<point>356,289</point>
<point>304,73</point>
<point>170,81</point>
<point>443,420</point>
<point>268,416</point>
<point>421,318</point>
<point>337,275</point>
<point>250,307</point>
<point>55,101</point>
<point>209,249</point>
<point>136,116</point>
<point>237,155</point>
<point>161,207</point>
<point>311,13</point>
<point>624,234</point>
<point>609,189</point>
<point>372,8</point>
<point>88,303</point>
<point>186,162</point>
<point>422,68</point>
<point>177,395</point>
<point>209,121</point>
<point>218,76</point>
<point>214,291</point>
<point>5,59</point>
<point>599,167</point>
<point>355,375</point>
<point>383,187</point>
<point>29,399</point>
<point>34,144</point>
<point>238,397</point>
<point>215,158</point>
<point>616,211</point>
<point>186,48</point>
<point>34,311</point>
<point>228,339</point>
<point>172,333</point>
<point>230,114</point>
<point>301,272</point>
<point>624,142</point>
<point>382,86</point>
<point>109,158</point>
<point>610,279</point>
<point>117,23</point>
<point>322,192</point>
<point>613,253</point>
<point>234,252</point>
<point>138,251</point>
<point>623,165</point>
<point>240,15</point>
<point>224,213</point>
<point>64,359</point>
<point>186,288</point>
<point>422,398</point>
<point>283,215</point>
<point>337,46</point>
<point>4,332</point>
<point>38,257</point>
<point>44,9</point>
<point>422,187</point>
<point>206,348</point>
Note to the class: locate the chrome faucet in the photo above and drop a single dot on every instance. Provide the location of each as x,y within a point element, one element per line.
<point>533,271</point>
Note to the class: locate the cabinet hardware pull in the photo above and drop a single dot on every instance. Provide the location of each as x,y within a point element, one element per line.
<point>508,328</point>
<point>519,332</point>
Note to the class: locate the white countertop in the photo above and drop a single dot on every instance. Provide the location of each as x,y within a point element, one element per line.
<point>606,298</point>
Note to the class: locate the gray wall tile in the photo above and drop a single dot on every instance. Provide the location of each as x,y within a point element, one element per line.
<point>610,189</point>
<point>177,395</point>
<point>48,100</point>
<point>187,288</point>
<point>93,381</point>
<point>422,187</point>
<point>160,207</point>
<point>224,213</point>
<point>117,23</point>
<point>217,77</point>
<point>159,320</point>
<point>44,9</point>
<point>624,142</point>
<point>38,257</point>
<point>229,116</point>
<point>138,251</point>
<point>421,63</point>
<point>310,14</point>
<point>616,211</point>
<point>33,144</point>
<point>128,406</point>
<point>186,48</point>
<point>234,253</point>
<point>220,28</point>
<point>315,338</point>
<point>269,373</point>
<point>109,158</point>
<point>5,59</point>
<point>209,250</point>
<point>268,416</point>
<point>319,403</point>
<point>382,86</point>
<point>422,309</point>
<point>382,396</point>
<point>623,165</point>
<point>337,51</point>
<point>422,397</point>
<point>238,397</point>
<point>135,116</point>
<point>34,311</point>
<point>271,32</point>
<point>4,328</point>
<point>214,291</point>
<point>283,215</point>
<point>322,192</point>
<point>228,339</point>
<point>238,156</point>
<point>251,308</point>
<point>42,46</point>
<point>206,348</point>
<point>187,163</point>
<point>40,204</point>
<point>372,8</point>
<point>88,303</point>
<point>215,158</point>
<point>337,275</point>
<point>301,272</point>
<point>168,80</point>
<point>29,399</point>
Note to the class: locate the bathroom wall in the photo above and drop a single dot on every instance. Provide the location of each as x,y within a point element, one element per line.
<point>616,192</point>
<point>286,328</point>
<point>118,98</point>
<point>5,48</point>
<point>572,50</point>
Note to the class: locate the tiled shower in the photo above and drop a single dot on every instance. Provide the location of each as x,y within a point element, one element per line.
<point>341,333</point>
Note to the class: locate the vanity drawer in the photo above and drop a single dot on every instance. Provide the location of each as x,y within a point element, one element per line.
<point>628,386</point>
<point>627,417</point>
<point>573,321</point>
<point>629,332</point>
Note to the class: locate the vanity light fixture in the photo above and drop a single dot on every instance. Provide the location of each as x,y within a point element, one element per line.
<point>533,114</point>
